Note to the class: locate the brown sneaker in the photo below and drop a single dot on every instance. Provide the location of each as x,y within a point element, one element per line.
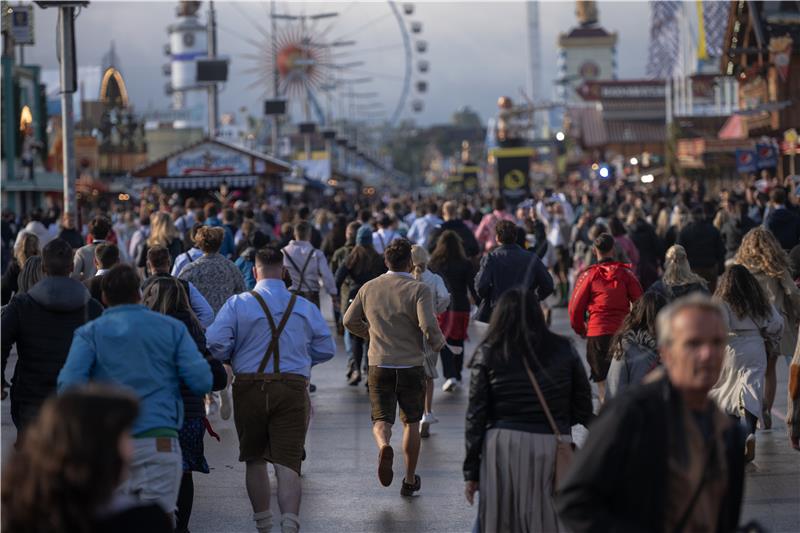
<point>385,459</point>
<point>408,489</point>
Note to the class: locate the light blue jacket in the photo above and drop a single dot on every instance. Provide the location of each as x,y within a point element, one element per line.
<point>150,353</point>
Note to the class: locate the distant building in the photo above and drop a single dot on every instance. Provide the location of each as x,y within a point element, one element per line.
<point>627,119</point>
<point>188,41</point>
<point>586,53</point>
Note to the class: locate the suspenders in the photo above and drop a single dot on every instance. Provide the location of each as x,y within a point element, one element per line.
<point>302,272</point>
<point>273,347</point>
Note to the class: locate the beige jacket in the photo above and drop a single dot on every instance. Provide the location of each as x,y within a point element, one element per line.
<point>785,296</point>
<point>395,312</point>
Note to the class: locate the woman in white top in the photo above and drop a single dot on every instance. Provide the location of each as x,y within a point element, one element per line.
<point>420,259</point>
<point>755,328</point>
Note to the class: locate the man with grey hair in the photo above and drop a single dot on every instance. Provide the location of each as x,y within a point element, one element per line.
<point>662,456</point>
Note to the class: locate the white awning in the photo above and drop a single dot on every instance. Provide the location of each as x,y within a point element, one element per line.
<point>207,182</point>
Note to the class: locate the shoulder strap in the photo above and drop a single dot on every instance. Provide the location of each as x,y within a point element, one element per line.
<point>687,513</point>
<point>273,346</point>
<point>542,401</point>
<point>302,271</point>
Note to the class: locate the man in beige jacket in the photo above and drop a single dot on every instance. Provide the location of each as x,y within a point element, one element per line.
<point>395,313</point>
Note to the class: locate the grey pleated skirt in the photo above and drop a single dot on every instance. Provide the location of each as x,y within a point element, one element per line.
<point>516,483</point>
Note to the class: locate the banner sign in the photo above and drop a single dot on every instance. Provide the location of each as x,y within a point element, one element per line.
<point>767,156</point>
<point>454,184</point>
<point>745,161</point>
<point>209,159</point>
<point>513,168</point>
<point>469,175</point>
<point>19,23</point>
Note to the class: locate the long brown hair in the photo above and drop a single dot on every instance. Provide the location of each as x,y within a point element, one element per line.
<point>167,296</point>
<point>642,317</point>
<point>68,462</point>
<point>448,248</point>
<point>738,288</point>
<point>364,259</point>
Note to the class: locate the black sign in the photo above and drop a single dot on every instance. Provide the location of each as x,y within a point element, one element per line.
<point>513,166</point>
<point>469,179</point>
<point>212,70</point>
<point>275,107</point>
<point>454,184</point>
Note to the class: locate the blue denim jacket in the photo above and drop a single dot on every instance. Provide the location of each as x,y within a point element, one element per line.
<point>147,352</point>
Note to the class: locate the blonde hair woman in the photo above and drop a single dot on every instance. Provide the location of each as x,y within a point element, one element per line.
<point>28,246</point>
<point>763,256</point>
<point>420,259</point>
<point>678,279</point>
<point>162,233</point>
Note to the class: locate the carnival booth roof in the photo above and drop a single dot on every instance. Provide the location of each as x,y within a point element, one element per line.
<point>208,163</point>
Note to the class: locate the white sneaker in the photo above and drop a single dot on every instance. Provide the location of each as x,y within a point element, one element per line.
<point>226,407</point>
<point>750,448</point>
<point>424,428</point>
<point>449,385</point>
<point>430,418</point>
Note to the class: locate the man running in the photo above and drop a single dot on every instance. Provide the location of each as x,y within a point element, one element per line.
<point>396,313</point>
<point>152,354</point>
<point>605,291</point>
<point>272,338</point>
<point>307,265</point>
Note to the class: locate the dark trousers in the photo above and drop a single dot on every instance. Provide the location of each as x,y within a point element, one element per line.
<point>452,363</point>
<point>23,414</point>
<point>360,348</point>
<point>185,501</point>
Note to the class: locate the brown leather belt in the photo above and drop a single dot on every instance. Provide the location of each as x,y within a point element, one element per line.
<point>283,376</point>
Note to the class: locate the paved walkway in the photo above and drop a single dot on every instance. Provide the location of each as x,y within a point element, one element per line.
<point>340,487</point>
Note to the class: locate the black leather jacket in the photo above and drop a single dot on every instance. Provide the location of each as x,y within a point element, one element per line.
<point>501,396</point>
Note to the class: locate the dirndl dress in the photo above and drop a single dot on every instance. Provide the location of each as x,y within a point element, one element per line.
<point>190,437</point>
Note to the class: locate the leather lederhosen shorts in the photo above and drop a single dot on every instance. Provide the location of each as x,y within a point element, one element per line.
<point>270,412</point>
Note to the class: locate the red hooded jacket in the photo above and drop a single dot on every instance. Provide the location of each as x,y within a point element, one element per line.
<point>606,291</point>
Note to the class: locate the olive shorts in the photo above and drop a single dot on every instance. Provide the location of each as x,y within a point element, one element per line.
<point>393,387</point>
<point>271,418</point>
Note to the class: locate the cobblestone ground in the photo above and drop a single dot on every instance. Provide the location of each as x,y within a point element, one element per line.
<point>340,487</point>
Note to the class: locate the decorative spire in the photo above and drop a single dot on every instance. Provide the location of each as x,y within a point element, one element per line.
<point>586,11</point>
<point>110,58</point>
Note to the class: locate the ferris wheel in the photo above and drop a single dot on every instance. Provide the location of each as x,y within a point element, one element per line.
<point>354,61</point>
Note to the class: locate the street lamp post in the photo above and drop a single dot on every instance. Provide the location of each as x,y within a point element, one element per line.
<point>212,89</point>
<point>69,84</point>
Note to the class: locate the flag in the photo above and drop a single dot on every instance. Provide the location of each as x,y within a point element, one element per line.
<point>664,38</point>
<point>745,161</point>
<point>715,22</point>
<point>767,156</point>
<point>513,173</point>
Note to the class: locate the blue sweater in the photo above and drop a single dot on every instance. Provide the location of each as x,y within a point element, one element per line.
<point>147,352</point>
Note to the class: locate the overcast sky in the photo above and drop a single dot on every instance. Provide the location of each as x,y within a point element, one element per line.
<point>478,51</point>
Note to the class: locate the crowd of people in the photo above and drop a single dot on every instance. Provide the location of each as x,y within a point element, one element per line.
<point>133,331</point>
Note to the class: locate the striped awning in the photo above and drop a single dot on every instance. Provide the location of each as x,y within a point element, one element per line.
<point>207,182</point>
